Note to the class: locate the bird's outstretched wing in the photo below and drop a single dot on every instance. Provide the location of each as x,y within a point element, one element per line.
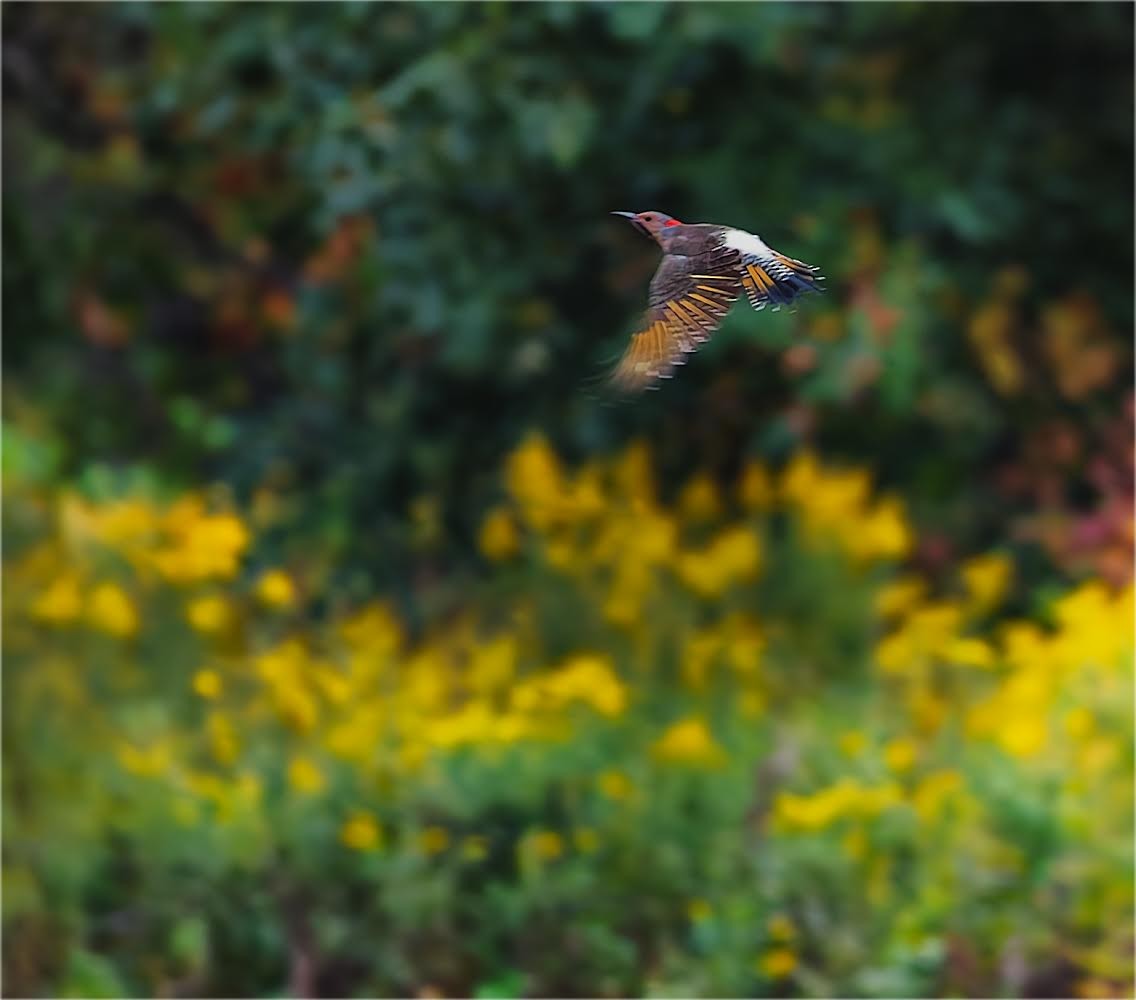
<point>689,298</point>
<point>772,277</point>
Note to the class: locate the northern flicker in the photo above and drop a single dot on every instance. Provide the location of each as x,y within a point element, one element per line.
<point>704,269</point>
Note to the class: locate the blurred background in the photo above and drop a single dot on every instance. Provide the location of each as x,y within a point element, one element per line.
<point>357,642</point>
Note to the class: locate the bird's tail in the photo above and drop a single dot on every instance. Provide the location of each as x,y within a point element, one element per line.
<point>778,279</point>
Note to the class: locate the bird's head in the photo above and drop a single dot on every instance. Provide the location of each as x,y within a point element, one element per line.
<point>651,223</point>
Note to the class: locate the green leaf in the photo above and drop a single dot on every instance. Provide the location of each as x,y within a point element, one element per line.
<point>506,986</point>
<point>92,975</point>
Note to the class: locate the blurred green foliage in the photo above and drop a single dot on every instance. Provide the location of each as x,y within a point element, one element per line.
<point>355,250</point>
<point>287,286</point>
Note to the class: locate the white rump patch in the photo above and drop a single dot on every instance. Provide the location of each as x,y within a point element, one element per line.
<point>746,243</point>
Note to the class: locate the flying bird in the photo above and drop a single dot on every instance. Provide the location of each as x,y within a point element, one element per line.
<point>705,268</point>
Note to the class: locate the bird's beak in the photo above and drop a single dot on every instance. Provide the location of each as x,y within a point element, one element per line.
<point>633,219</point>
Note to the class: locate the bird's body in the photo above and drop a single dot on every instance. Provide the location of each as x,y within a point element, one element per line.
<point>705,268</point>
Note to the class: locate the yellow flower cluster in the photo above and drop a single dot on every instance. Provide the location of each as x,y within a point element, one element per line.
<point>498,539</point>
<point>733,556</point>
<point>358,695</point>
<point>689,741</point>
<point>604,524</point>
<point>1038,671</point>
<point>199,546</point>
<point>845,799</point>
<point>672,663</point>
<point>107,606</point>
<point>184,543</point>
<point>1084,661</point>
<point>275,589</point>
<point>110,610</point>
<point>836,506</point>
<point>928,632</point>
<point>361,832</point>
<point>588,679</point>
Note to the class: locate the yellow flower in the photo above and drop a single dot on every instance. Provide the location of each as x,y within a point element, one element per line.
<point>110,610</point>
<point>588,678</point>
<point>777,963</point>
<point>970,652</point>
<point>1079,723</point>
<point>284,670</point>
<point>847,798</point>
<point>852,743</point>
<point>223,740</point>
<point>733,556</point>
<point>493,664</point>
<point>745,647</point>
<point>586,840</point>
<point>804,812</point>
<point>207,684</point>
<point>630,587</point>
<point>986,579</point>
<point>633,476</point>
<point>616,785</point>
<point>922,636</point>
<point>882,532</point>
<point>698,910</point>
<point>543,845</point>
<point>533,478</point>
<point>899,755</point>
<point>561,553</point>
<point>1025,646</point>
<point>739,549</point>
<point>474,848</point>
<point>201,546</point>
<point>900,596</point>
<point>433,840</point>
<point>1095,625</point>
<point>698,500</point>
<point>835,507</point>
<point>928,709</point>
<point>755,489</point>
<point>781,928</point>
<point>374,630</point>
<point>699,651</point>
<point>473,723</point>
<point>688,742</point>
<point>125,525</point>
<point>61,602</point>
<point>305,776</point>
<point>498,538</point>
<point>1023,735</point>
<point>799,479</point>
<point>334,684</point>
<point>208,614</point>
<point>361,832</point>
<point>276,589</point>
<point>586,494</point>
<point>934,792</point>
<point>145,761</point>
